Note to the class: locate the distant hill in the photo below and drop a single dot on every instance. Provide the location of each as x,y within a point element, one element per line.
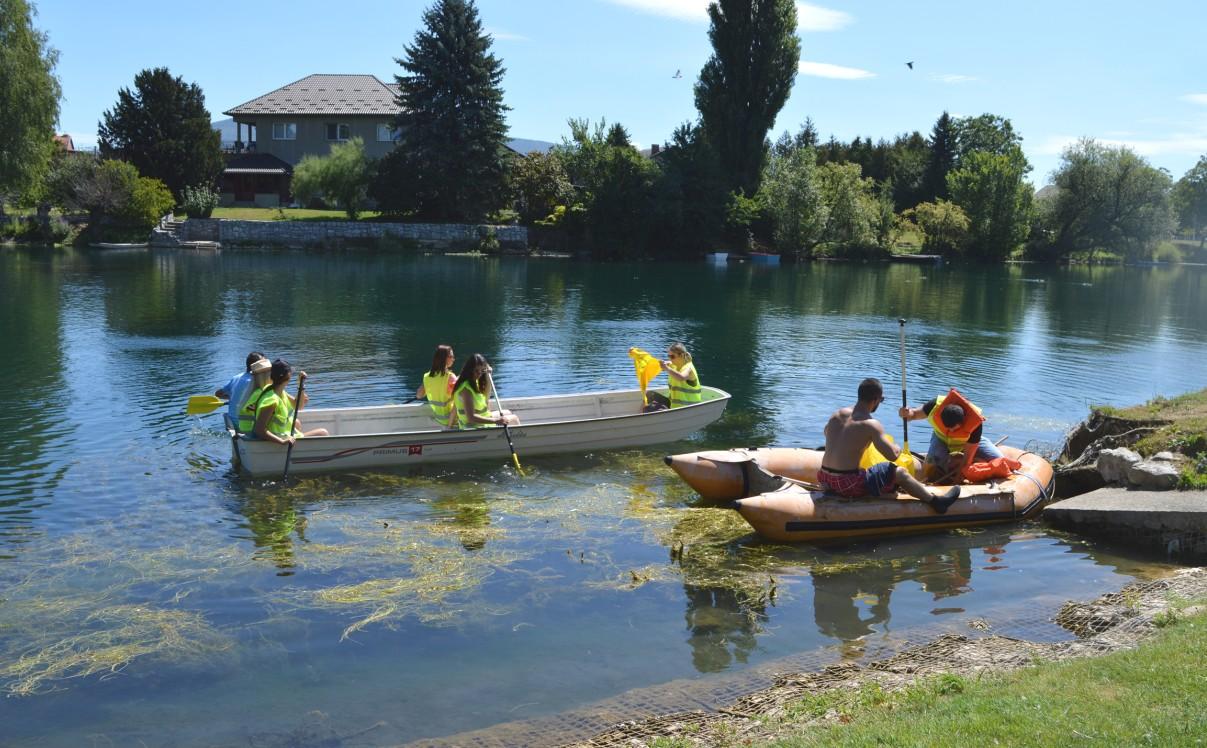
<point>227,128</point>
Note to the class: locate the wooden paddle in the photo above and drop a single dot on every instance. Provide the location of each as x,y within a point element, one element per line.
<point>201,404</point>
<point>297,405</point>
<point>506,429</point>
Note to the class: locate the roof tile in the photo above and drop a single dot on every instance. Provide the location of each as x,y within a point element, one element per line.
<point>325,94</point>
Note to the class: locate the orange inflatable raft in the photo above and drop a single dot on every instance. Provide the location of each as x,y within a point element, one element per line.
<point>793,513</point>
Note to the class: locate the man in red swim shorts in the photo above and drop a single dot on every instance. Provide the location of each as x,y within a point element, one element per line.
<point>848,433</point>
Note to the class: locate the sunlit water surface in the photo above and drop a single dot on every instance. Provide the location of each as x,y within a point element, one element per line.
<point>148,593</point>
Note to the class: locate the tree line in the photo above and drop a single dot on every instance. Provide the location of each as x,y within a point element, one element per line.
<point>718,182</point>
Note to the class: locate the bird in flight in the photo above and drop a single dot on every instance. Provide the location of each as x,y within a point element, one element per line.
<point>910,64</point>
<point>678,74</point>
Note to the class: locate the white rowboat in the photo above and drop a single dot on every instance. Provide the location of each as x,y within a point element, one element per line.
<point>393,436</point>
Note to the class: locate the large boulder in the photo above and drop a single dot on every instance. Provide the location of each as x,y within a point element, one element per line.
<point>1153,476</point>
<point>1113,464</point>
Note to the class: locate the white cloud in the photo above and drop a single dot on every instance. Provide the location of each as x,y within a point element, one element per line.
<point>952,78</point>
<point>809,17</point>
<point>816,18</point>
<point>506,36</point>
<point>826,70</point>
<point>1195,98</point>
<point>683,10</point>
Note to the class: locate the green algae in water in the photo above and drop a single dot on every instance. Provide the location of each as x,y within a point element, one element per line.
<point>90,609</point>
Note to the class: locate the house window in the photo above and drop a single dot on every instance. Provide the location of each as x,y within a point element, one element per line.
<point>338,131</point>
<point>386,133</point>
<point>284,131</point>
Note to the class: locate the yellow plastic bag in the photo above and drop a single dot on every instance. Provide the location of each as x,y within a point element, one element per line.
<point>647,367</point>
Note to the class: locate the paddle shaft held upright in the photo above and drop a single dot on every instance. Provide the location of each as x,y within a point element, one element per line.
<point>296,407</point>
<point>904,397</point>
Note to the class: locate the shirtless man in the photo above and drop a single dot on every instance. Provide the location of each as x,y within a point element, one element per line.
<point>848,434</point>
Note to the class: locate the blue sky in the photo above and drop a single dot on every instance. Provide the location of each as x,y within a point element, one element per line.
<point>1122,72</point>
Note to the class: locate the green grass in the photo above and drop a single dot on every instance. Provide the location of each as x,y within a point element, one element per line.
<point>1153,695</point>
<point>287,214</point>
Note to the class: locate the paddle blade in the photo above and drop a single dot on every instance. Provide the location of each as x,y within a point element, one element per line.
<point>202,404</point>
<point>515,459</point>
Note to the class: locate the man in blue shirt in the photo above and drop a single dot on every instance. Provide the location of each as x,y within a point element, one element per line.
<point>235,390</point>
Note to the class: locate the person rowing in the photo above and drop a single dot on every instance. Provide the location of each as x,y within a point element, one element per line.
<point>274,409</point>
<point>472,397</point>
<point>236,389</point>
<point>682,378</point>
<point>848,433</point>
<point>261,373</point>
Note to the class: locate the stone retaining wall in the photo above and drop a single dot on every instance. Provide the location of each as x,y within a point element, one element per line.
<point>325,233</point>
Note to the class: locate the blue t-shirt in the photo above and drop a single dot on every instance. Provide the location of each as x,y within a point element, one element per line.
<point>236,389</point>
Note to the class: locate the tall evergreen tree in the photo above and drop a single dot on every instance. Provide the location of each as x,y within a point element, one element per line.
<point>746,82</point>
<point>449,163</point>
<point>163,129</point>
<point>942,160</point>
<point>29,100</point>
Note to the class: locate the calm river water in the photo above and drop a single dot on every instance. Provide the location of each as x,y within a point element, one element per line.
<point>148,594</point>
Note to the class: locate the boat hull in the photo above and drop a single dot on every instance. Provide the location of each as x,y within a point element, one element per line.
<point>394,436</point>
<point>794,514</point>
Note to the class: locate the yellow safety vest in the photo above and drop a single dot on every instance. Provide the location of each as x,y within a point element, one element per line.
<point>248,410</point>
<point>480,408</point>
<point>438,390</point>
<point>282,417</point>
<point>682,391</point>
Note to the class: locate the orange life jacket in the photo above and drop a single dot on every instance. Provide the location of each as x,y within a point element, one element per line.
<point>955,438</point>
<point>998,467</point>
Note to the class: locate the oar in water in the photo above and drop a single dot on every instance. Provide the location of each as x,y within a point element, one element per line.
<point>297,405</point>
<point>202,404</point>
<point>506,428</point>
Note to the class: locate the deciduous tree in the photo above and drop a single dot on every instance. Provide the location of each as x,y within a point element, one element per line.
<point>29,101</point>
<point>1190,200</point>
<point>746,82</point>
<point>989,187</point>
<point>341,177</point>
<point>1107,198</point>
<point>162,127</point>
<point>449,163</point>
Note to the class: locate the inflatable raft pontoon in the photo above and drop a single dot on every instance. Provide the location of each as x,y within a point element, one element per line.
<point>788,512</point>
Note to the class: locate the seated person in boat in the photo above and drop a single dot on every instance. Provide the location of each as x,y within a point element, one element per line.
<point>848,433</point>
<point>261,381</point>
<point>234,392</point>
<point>958,429</point>
<point>275,409</point>
<point>681,376</point>
<point>471,397</point>
<point>438,385</point>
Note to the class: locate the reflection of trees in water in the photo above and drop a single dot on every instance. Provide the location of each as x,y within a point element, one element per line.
<point>33,423</point>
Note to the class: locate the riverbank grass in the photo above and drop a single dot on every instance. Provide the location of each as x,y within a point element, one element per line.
<point>1152,695</point>
<point>1183,429</point>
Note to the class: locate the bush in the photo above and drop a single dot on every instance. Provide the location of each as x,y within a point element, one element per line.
<point>488,240</point>
<point>199,202</point>
<point>342,177</point>
<point>149,200</point>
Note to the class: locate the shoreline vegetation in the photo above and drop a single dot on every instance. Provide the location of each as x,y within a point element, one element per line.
<point>1131,677</point>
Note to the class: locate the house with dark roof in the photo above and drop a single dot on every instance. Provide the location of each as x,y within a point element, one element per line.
<point>274,131</point>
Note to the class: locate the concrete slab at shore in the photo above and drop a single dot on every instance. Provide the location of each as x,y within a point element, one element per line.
<point>1174,522</point>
